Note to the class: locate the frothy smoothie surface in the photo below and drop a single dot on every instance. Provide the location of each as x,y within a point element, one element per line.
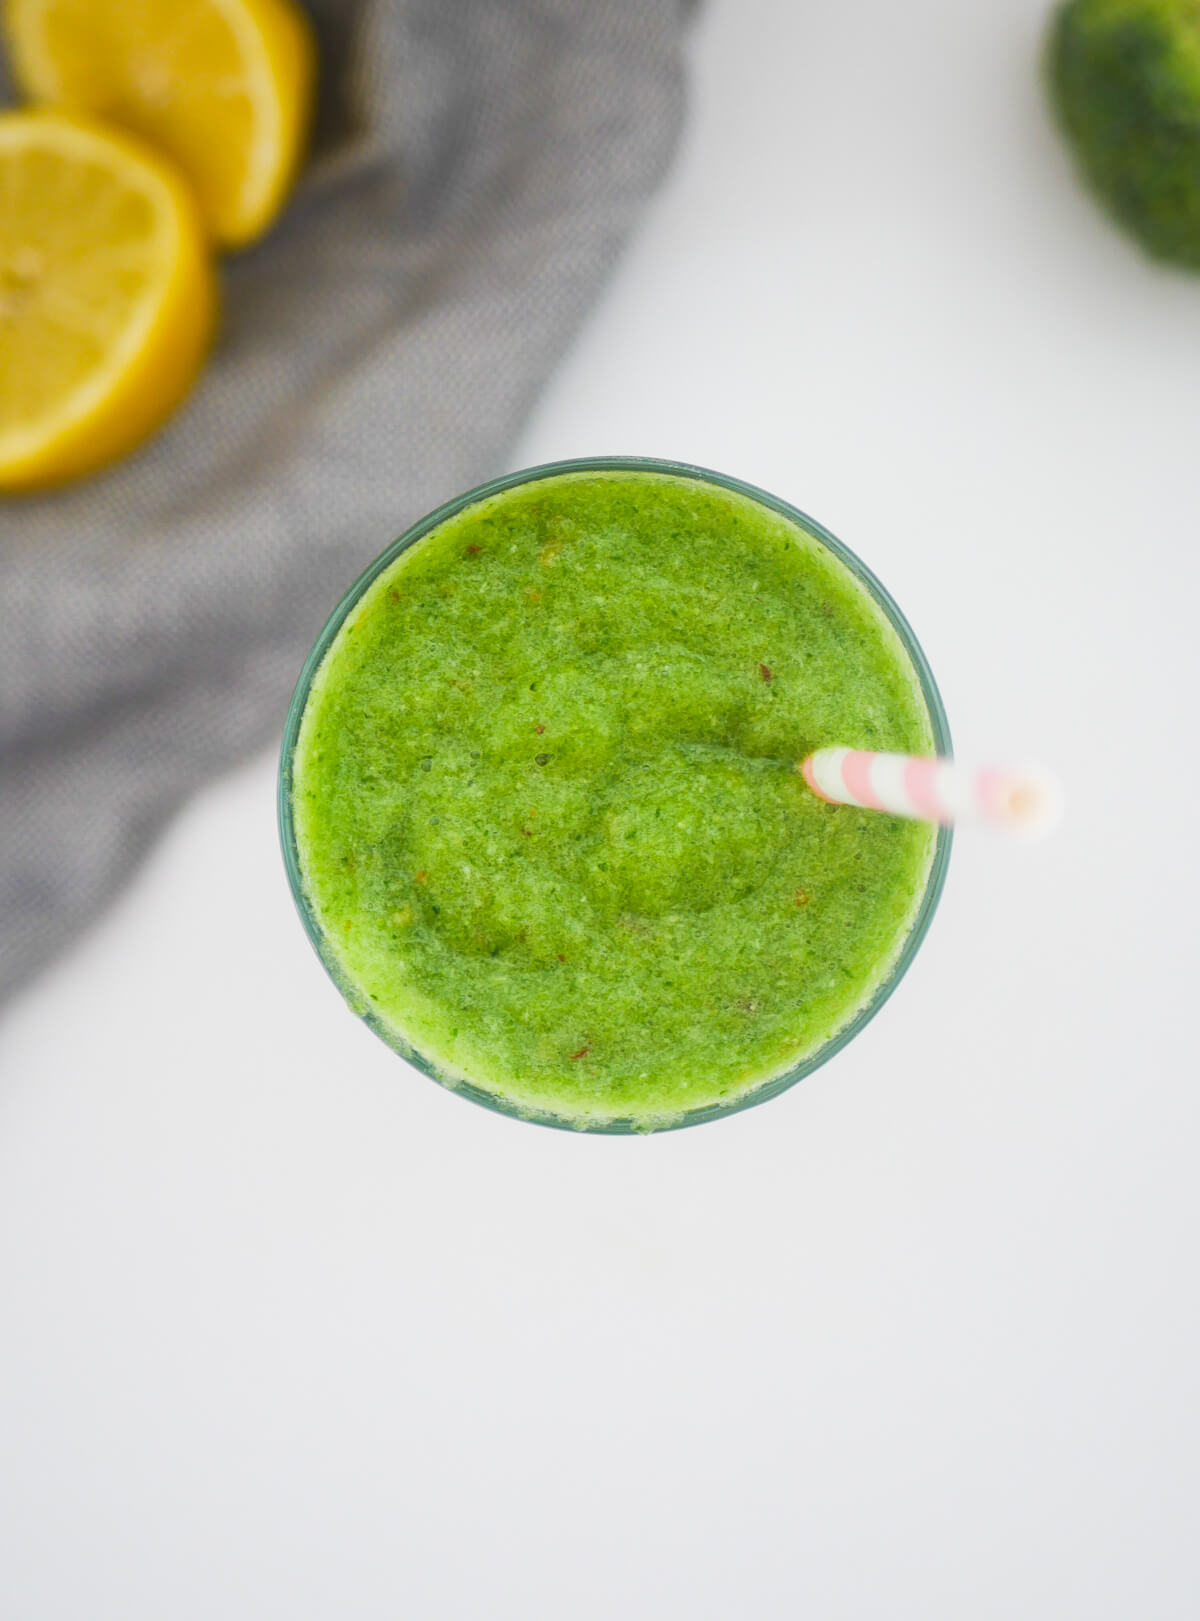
<point>547,808</point>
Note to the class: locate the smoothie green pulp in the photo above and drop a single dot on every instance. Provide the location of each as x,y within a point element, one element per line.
<point>547,808</point>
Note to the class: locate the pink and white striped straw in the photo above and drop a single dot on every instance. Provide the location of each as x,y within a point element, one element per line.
<point>1018,800</point>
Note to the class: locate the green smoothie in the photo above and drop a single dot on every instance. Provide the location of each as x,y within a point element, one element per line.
<point>546,804</point>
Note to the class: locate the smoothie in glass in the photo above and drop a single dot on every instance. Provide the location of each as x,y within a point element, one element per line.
<point>541,803</point>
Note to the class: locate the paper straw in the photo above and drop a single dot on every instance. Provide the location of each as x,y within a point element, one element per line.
<point>1019,800</point>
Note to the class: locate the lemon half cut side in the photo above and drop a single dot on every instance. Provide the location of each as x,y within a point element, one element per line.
<point>107,295</point>
<point>225,87</point>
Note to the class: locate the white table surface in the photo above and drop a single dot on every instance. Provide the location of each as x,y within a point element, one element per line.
<point>287,1331</point>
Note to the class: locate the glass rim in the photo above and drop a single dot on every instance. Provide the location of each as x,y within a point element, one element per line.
<point>774,1085</point>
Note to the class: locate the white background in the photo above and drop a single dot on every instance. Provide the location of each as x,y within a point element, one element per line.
<point>289,1332</point>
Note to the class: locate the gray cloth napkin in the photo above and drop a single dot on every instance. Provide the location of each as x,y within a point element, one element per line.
<point>476,169</point>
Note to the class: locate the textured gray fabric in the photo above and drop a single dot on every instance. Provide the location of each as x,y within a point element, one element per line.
<point>477,167</point>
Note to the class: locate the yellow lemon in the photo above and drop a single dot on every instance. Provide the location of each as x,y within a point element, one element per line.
<point>224,86</point>
<point>107,295</point>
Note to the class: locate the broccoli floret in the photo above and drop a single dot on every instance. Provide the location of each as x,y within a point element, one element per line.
<point>1125,79</point>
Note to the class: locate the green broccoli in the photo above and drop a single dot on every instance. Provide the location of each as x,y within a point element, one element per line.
<point>1125,79</point>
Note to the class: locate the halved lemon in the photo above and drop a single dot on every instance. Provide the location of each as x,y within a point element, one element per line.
<point>224,86</point>
<point>107,295</point>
